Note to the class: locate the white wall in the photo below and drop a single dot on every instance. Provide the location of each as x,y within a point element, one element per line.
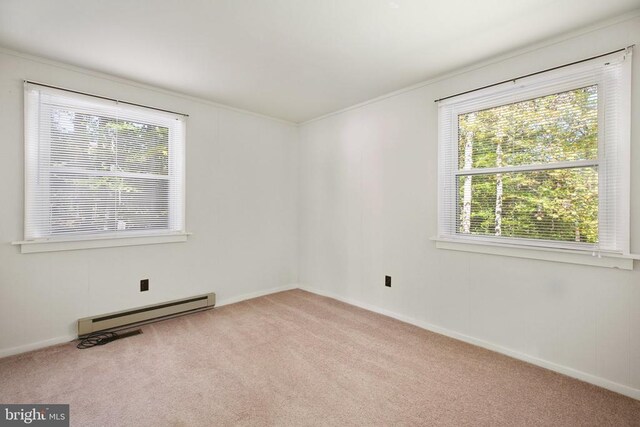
<point>241,208</point>
<point>368,208</point>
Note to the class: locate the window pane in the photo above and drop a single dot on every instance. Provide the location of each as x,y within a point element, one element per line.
<point>142,204</point>
<point>142,148</point>
<point>81,140</point>
<point>81,204</point>
<point>100,143</point>
<point>97,204</point>
<point>560,204</point>
<point>554,128</point>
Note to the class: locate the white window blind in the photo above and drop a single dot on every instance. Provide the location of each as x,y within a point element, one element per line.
<point>543,161</point>
<point>96,167</point>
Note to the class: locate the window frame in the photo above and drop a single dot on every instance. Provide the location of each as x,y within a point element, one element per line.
<point>544,84</point>
<point>36,139</point>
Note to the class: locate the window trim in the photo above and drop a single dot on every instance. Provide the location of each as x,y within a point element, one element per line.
<point>94,242</point>
<point>570,256</point>
<point>177,183</point>
<point>555,81</point>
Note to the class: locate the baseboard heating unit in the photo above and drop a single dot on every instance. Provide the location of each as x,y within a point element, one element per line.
<point>149,313</point>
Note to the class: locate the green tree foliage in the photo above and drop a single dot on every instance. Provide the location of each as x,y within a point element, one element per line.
<point>555,204</point>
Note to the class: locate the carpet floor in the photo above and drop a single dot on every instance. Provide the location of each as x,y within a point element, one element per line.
<point>298,359</point>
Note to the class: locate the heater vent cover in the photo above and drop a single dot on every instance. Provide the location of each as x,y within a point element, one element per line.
<point>89,325</point>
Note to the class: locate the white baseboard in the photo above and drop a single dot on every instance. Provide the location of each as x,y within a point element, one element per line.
<point>583,376</point>
<point>257,294</point>
<point>36,345</point>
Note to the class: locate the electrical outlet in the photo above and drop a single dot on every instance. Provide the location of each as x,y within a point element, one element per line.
<point>387,281</point>
<point>144,285</point>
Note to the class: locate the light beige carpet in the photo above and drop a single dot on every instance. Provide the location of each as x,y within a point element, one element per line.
<point>298,359</point>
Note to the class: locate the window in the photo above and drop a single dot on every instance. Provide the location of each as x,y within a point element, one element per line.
<point>98,168</point>
<point>541,162</point>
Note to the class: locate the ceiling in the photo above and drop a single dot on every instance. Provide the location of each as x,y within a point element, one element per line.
<point>291,59</point>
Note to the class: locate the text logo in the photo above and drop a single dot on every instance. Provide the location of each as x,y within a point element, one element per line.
<point>34,415</point>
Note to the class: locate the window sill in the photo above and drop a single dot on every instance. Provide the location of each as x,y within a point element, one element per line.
<point>610,260</point>
<point>33,246</point>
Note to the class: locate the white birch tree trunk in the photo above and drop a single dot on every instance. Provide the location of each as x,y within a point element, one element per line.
<point>468,164</point>
<point>498,208</point>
